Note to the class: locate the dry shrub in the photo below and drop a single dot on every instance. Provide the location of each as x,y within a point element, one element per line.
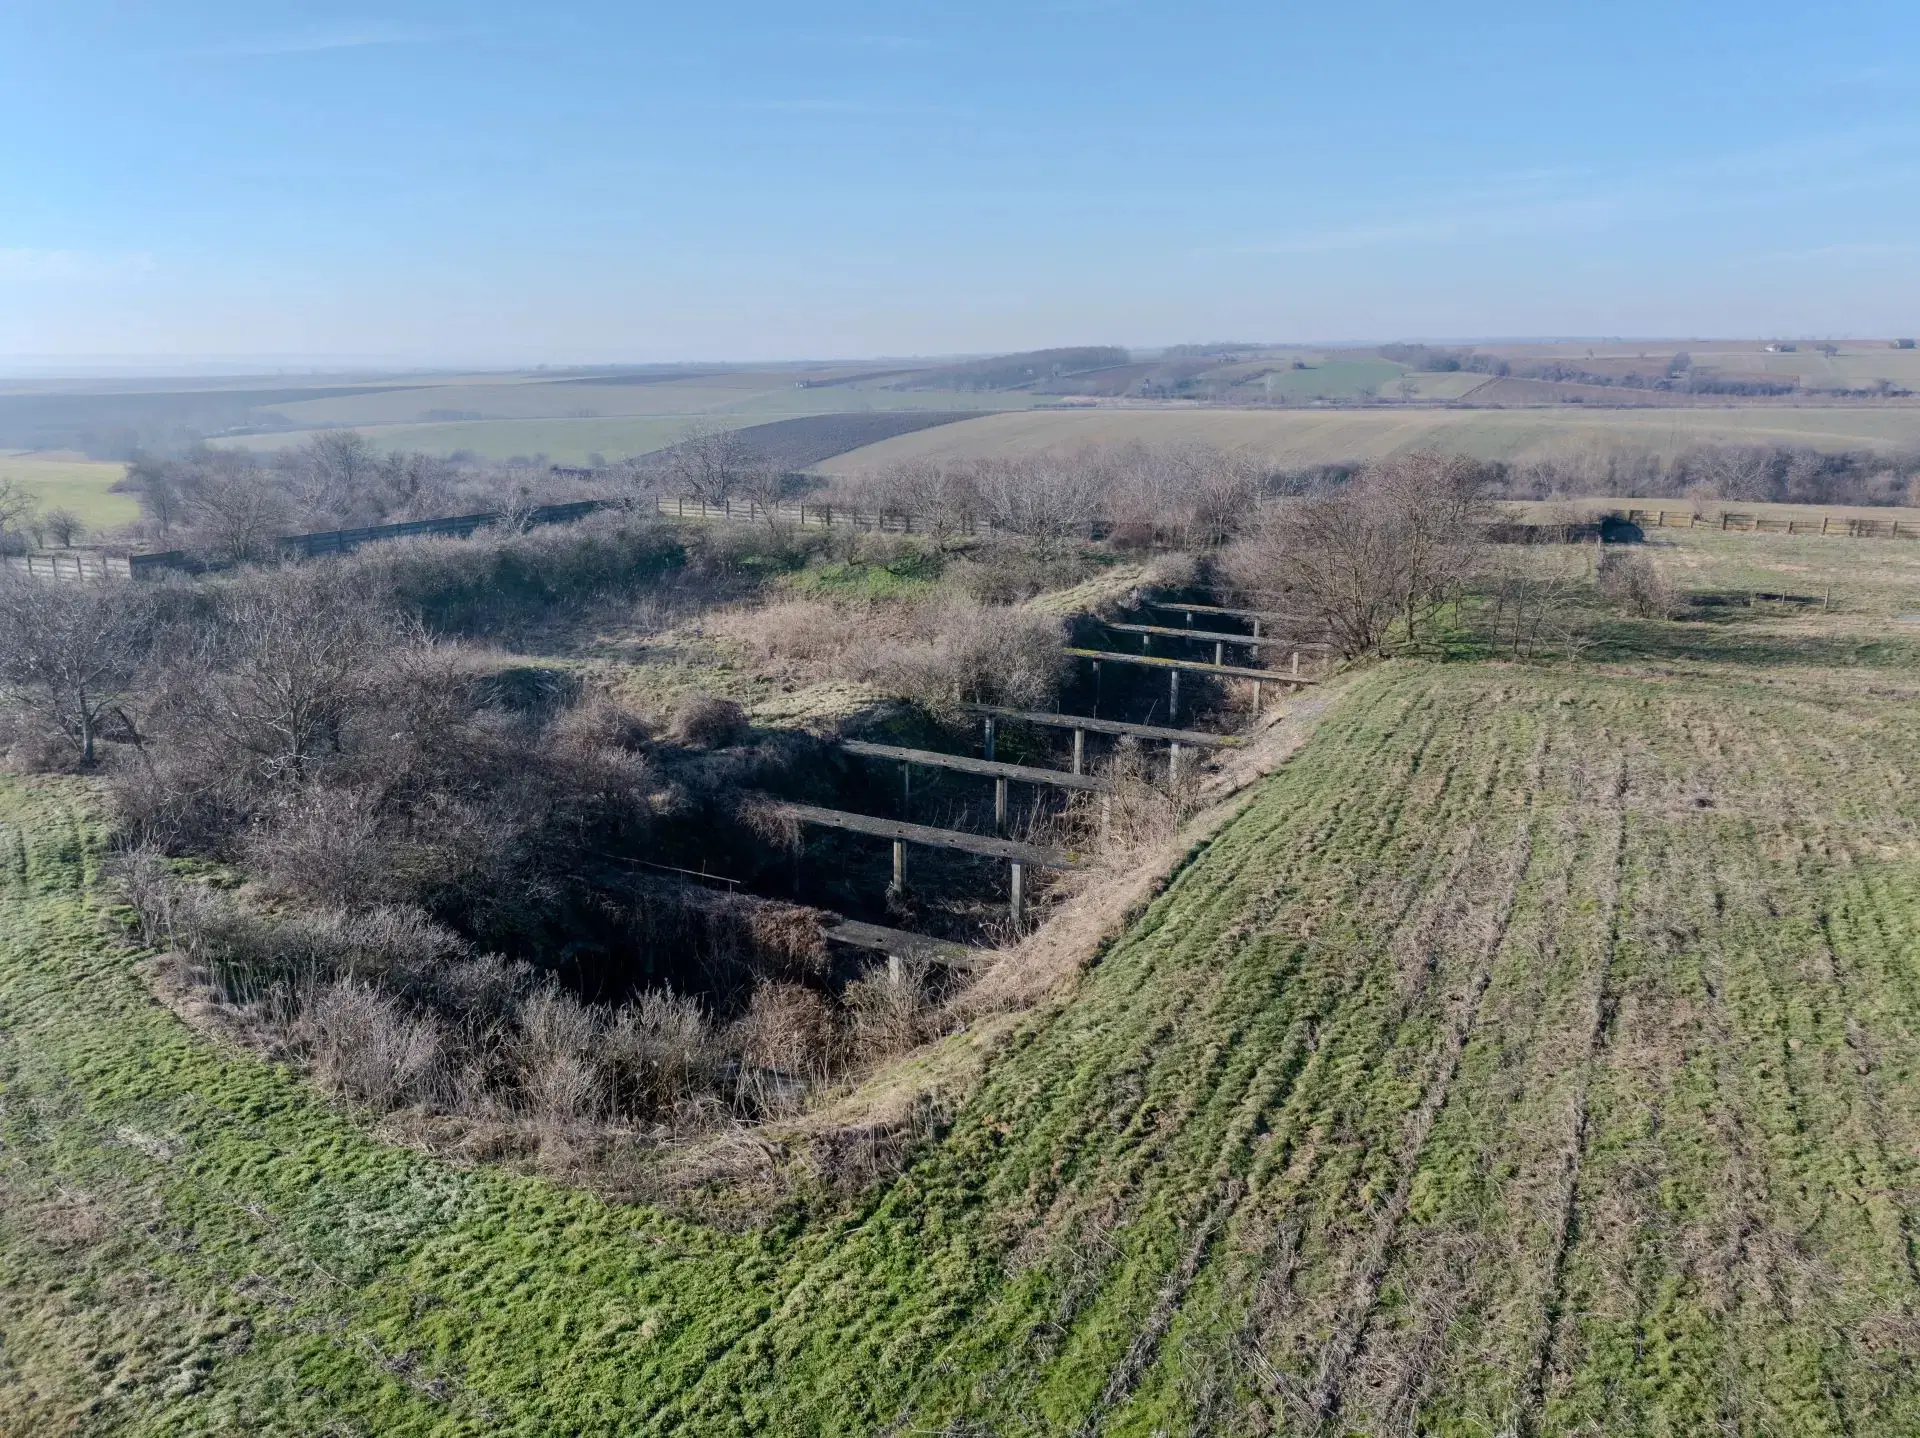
<point>787,1027</point>
<point>598,723</point>
<point>791,935</point>
<point>326,845</point>
<point>1007,569</point>
<point>886,1016</point>
<point>802,631</point>
<point>706,722</point>
<point>969,652</point>
<point>1633,581</point>
<point>658,1053</point>
<point>554,1053</point>
<point>1146,805</point>
<point>364,1045</point>
<point>769,821</point>
<point>145,881</point>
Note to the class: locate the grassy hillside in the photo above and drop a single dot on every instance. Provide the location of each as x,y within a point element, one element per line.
<point>1299,437</point>
<point>1535,1050</point>
<point>82,485</point>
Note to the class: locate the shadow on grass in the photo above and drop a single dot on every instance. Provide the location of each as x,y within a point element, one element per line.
<point>1730,639</point>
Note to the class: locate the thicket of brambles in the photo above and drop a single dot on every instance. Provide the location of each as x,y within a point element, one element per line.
<point>427,856</point>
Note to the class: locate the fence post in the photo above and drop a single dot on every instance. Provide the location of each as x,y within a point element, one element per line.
<point>1096,688</point>
<point>1173,696</point>
<point>899,865</point>
<point>1079,751</point>
<point>1017,899</point>
<point>906,791</point>
<point>1000,806</point>
<point>1823,524</point>
<point>990,737</point>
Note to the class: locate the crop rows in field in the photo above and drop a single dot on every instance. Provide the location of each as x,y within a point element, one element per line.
<point>1297,437</point>
<point>1535,1054</point>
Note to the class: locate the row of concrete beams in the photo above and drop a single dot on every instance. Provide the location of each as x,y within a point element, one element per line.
<point>1176,667</point>
<point>1017,855</point>
<point>899,945</point>
<point>1257,616</point>
<point>1081,725</point>
<point>1174,631</point>
<point>1001,774</point>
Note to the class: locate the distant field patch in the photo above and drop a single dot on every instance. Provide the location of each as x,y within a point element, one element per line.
<point>1301,437</point>
<point>571,438</point>
<point>81,485</point>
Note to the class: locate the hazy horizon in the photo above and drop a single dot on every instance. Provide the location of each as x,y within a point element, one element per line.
<point>477,185</point>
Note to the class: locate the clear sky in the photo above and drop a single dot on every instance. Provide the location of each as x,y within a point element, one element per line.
<point>501,182</point>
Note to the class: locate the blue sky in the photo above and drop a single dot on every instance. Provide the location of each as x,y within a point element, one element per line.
<point>501,183</point>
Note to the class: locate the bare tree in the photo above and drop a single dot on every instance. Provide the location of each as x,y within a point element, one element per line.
<point>69,654</point>
<point>1385,551</point>
<point>284,670</point>
<point>711,462</point>
<point>333,472</point>
<point>765,483</point>
<point>16,505</point>
<point>236,512</point>
<point>64,526</point>
<point>944,497</point>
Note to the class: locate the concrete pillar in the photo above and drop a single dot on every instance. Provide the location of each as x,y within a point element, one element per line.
<point>1018,898</point>
<point>1079,751</point>
<point>1219,651</point>
<point>1173,696</point>
<point>1000,805</point>
<point>1173,764</point>
<point>896,970</point>
<point>900,864</point>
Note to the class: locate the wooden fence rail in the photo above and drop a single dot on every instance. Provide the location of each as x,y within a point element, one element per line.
<point>1735,522</point>
<point>819,516</point>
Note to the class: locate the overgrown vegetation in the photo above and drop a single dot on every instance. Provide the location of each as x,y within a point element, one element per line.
<point>1525,1058</point>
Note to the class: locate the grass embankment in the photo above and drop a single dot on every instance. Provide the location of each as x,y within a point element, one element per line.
<point>1537,1049</point>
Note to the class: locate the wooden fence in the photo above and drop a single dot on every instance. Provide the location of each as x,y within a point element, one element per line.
<point>818,516</point>
<point>1734,522</point>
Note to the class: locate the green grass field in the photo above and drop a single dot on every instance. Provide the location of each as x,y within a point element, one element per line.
<point>1534,1053</point>
<point>661,415</point>
<point>1301,437</point>
<point>82,485</point>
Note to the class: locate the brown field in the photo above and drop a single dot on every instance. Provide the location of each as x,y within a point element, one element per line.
<point>1309,436</point>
